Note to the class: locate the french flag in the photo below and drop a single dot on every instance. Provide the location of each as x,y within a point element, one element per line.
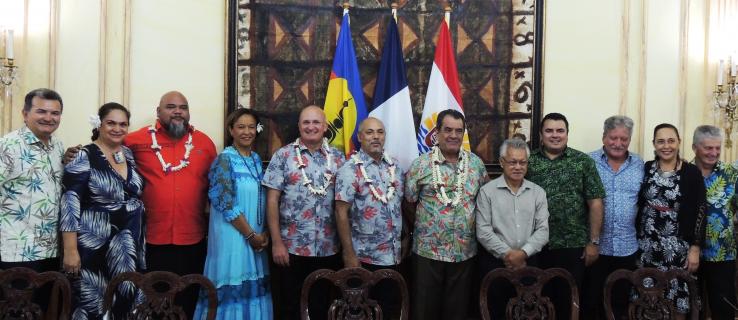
<point>392,101</point>
<point>443,91</point>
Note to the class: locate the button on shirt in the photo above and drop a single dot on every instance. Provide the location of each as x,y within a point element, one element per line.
<point>444,232</point>
<point>30,193</point>
<point>375,226</point>
<point>569,181</point>
<point>174,201</point>
<point>618,236</point>
<point>512,220</point>
<point>307,223</point>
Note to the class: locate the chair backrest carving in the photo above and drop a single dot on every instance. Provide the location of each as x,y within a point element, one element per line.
<point>529,303</point>
<point>354,285</point>
<point>650,285</point>
<point>17,286</point>
<point>159,289</point>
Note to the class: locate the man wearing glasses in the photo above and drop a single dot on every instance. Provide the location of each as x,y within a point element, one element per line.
<point>512,221</point>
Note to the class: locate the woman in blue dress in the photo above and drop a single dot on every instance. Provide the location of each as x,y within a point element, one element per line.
<point>237,236</point>
<point>102,217</point>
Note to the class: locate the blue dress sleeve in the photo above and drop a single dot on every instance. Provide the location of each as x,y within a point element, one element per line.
<point>222,191</point>
<point>75,181</point>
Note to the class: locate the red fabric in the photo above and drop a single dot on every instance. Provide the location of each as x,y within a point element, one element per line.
<point>175,201</point>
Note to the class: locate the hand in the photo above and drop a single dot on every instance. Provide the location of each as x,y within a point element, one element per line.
<point>71,153</point>
<point>515,259</point>
<point>72,263</point>
<point>259,241</point>
<point>591,253</point>
<point>280,255</point>
<point>693,259</point>
<point>350,261</point>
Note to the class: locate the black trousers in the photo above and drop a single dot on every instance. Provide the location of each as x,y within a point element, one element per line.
<point>42,295</point>
<point>571,260</point>
<point>594,286</point>
<point>500,291</point>
<point>292,278</point>
<point>182,260</point>
<point>719,280</point>
<point>441,289</point>
<point>386,293</point>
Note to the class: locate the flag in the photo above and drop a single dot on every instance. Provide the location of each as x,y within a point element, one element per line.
<point>443,91</point>
<point>392,101</point>
<point>344,105</point>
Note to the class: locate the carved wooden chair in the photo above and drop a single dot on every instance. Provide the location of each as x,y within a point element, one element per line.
<point>354,285</point>
<point>529,303</point>
<point>159,289</point>
<point>17,286</point>
<point>651,303</point>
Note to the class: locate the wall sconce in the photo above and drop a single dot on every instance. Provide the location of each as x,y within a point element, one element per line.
<point>8,69</point>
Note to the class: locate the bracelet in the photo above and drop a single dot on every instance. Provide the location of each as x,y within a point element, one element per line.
<point>251,235</point>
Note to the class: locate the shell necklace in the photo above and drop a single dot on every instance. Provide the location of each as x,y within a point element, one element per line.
<point>384,198</point>
<point>166,166</point>
<point>462,173</point>
<point>328,175</point>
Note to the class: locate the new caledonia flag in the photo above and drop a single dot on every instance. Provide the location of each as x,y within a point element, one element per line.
<point>443,91</point>
<point>344,105</point>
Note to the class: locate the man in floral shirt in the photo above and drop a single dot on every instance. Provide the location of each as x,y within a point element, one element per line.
<point>300,179</point>
<point>718,252</point>
<point>30,187</point>
<point>442,186</point>
<point>574,192</point>
<point>368,214</point>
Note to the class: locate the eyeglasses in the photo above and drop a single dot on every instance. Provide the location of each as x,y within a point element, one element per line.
<point>521,163</point>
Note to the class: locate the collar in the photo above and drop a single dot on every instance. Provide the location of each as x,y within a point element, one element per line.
<point>567,153</point>
<point>30,138</point>
<point>303,147</point>
<point>603,156</point>
<point>160,128</point>
<point>366,158</point>
<point>500,183</point>
<point>442,158</point>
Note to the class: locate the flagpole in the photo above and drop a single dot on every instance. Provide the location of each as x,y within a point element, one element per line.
<point>346,7</point>
<point>447,17</point>
<point>394,10</point>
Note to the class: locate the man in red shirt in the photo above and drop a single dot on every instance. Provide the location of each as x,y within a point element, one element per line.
<point>174,160</point>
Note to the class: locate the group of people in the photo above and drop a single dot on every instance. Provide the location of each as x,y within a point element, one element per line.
<point>137,202</point>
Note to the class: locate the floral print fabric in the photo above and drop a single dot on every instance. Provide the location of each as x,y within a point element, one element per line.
<point>306,221</point>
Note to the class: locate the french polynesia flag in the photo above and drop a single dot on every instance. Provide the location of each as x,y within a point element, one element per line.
<point>443,91</point>
<point>392,101</point>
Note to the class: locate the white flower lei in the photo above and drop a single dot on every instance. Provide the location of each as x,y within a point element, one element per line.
<point>462,172</point>
<point>384,198</point>
<point>167,167</point>
<point>328,175</point>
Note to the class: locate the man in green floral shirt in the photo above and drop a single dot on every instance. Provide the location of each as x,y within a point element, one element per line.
<point>30,188</point>
<point>441,187</point>
<point>718,252</point>
<point>574,193</point>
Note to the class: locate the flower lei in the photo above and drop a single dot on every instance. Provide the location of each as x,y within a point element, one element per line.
<point>167,167</point>
<point>328,175</point>
<point>462,172</point>
<point>384,198</point>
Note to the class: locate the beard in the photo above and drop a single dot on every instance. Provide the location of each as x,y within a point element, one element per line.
<point>176,130</point>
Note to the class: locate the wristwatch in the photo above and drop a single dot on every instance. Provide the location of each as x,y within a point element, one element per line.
<point>595,241</point>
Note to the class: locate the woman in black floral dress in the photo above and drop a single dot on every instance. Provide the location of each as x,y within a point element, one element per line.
<point>671,213</point>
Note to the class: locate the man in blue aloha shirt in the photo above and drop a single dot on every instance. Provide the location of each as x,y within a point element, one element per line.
<point>717,269</point>
<point>300,181</point>
<point>368,214</point>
